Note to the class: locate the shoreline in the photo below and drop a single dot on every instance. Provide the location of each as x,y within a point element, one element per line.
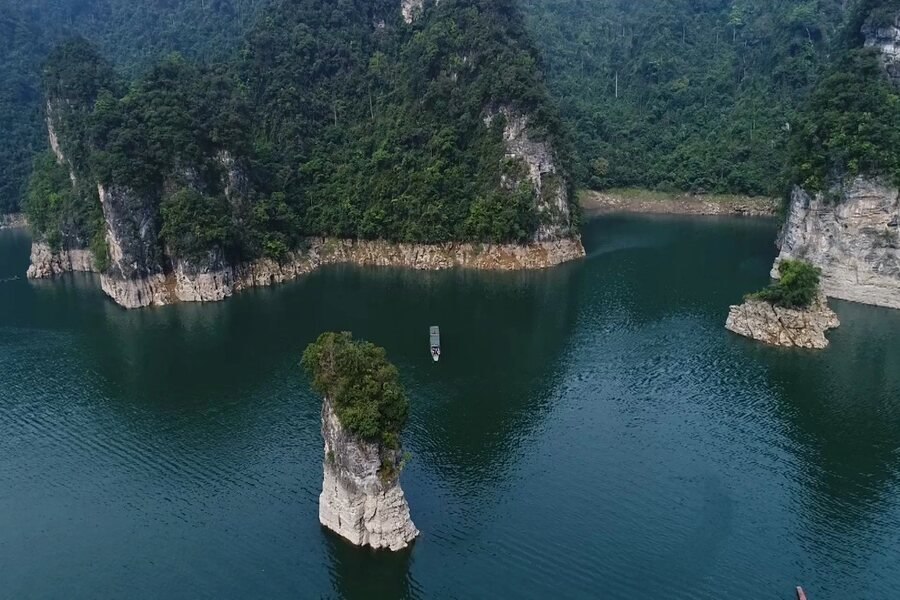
<point>187,283</point>
<point>13,221</point>
<point>635,201</point>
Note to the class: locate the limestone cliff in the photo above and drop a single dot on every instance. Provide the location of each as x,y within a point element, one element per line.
<point>852,231</point>
<point>135,277</point>
<point>854,240</point>
<point>13,221</point>
<point>886,39</point>
<point>361,497</point>
<point>411,9</point>
<point>46,262</point>
<point>778,326</point>
<point>540,171</point>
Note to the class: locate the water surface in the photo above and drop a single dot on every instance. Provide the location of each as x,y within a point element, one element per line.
<point>591,432</point>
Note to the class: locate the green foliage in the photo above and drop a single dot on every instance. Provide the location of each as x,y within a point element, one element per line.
<point>194,224</point>
<point>325,124</point>
<point>379,132</point>
<point>683,96</point>
<point>849,126</point>
<point>797,286</point>
<point>60,213</point>
<point>133,34</point>
<point>362,385</point>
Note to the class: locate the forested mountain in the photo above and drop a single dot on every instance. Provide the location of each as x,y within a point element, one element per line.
<point>363,119</point>
<point>683,94</point>
<point>133,35</point>
<point>850,125</point>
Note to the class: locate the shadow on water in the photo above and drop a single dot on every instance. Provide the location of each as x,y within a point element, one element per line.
<point>359,573</point>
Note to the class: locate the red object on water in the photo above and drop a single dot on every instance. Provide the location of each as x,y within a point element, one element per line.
<point>801,595</point>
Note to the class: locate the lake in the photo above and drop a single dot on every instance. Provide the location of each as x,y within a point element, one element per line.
<point>591,431</point>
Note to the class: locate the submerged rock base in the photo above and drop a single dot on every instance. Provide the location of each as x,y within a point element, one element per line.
<point>46,262</point>
<point>801,328</point>
<point>190,283</point>
<point>360,501</point>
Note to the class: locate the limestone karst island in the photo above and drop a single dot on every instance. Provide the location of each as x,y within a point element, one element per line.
<point>435,299</point>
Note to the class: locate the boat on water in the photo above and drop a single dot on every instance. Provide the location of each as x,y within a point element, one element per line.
<point>801,595</point>
<point>435,335</point>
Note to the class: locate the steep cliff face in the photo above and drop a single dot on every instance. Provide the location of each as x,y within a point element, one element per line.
<point>46,262</point>
<point>778,326</point>
<point>852,231</point>
<point>361,497</point>
<point>135,277</point>
<point>540,171</point>
<point>886,39</point>
<point>854,240</point>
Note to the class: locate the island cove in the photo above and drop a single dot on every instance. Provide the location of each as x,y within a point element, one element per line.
<point>185,285</point>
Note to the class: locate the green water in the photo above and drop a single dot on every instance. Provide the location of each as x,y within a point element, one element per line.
<point>591,432</point>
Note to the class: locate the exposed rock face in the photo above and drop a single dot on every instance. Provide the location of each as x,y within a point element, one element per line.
<point>411,9</point>
<point>359,501</point>
<point>210,282</point>
<point>216,280</point>
<point>13,221</point>
<point>783,326</point>
<point>135,277</point>
<point>886,39</point>
<point>854,240</point>
<point>540,171</point>
<point>47,263</point>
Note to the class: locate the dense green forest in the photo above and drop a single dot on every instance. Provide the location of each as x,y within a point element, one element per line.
<point>690,95</point>
<point>700,95</point>
<point>132,34</point>
<point>338,118</point>
<point>851,123</point>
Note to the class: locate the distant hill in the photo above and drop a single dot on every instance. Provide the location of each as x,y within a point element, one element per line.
<point>132,34</point>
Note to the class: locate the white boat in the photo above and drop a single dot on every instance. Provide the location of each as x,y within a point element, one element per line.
<point>435,343</point>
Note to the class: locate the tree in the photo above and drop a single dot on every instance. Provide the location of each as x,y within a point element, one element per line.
<point>362,385</point>
<point>797,287</point>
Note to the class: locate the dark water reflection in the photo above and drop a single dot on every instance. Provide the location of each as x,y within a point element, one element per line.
<point>592,432</point>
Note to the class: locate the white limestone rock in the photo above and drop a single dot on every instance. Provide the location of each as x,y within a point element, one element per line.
<point>541,171</point>
<point>46,263</point>
<point>411,9</point>
<point>853,238</point>
<point>885,37</point>
<point>778,326</point>
<point>359,502</point>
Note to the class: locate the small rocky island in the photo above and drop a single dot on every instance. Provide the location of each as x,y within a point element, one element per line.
<point>364,411</point>
<point>791,312</point>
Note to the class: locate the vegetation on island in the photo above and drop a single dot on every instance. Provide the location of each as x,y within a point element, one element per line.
<point>797,286</point>
<point>362,385</point>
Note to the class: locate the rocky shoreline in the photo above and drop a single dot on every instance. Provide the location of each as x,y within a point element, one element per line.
<point>188,284</point>
<point>13,221</point>
<point>600,203</point>
<point>787,327</point>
